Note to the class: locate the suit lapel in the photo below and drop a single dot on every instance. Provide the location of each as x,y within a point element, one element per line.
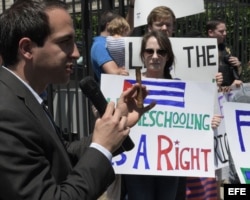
<point>22,92</point>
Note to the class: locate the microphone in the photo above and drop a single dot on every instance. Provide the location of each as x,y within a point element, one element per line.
<point>91,90</point>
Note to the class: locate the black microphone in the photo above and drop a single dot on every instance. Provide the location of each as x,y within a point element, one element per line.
<point>92,90</point>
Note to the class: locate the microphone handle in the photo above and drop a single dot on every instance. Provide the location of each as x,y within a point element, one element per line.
<point>91,89</point>
<point>101,106</point>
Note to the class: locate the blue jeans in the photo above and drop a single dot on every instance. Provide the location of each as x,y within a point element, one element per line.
<point>150,187</point>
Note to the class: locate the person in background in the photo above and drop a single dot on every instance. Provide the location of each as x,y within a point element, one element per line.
<point>204,188</point>
<point>162,18</point>
<point>101,60</point>
<point>38,49</point>
<point>229,65</point>
<point>117,28</point>
<point>157,55</point>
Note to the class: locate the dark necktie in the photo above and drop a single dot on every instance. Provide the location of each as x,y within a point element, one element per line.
<point>45,108</point>
<point>53,123</point>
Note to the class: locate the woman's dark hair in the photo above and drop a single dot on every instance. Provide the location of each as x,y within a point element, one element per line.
<point>165,44</point>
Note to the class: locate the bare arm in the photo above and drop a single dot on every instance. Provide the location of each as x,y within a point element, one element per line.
<point>112,68</point>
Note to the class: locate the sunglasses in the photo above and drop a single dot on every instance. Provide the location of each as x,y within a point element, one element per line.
<point>159,52</point>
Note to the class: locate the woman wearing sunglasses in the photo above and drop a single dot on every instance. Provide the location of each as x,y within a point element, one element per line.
<point>158,57</point>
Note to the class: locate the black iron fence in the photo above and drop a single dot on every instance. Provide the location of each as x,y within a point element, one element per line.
<point>72,110</point>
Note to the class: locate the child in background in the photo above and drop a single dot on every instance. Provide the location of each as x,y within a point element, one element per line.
<point>117,28</point>
<point>115,44</point>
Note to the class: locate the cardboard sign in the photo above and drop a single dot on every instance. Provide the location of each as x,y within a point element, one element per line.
<point>175,137</point>
<point>195,58</point>
<point>236,113</point>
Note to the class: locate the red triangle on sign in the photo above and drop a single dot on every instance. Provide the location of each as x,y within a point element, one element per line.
<point>126,85</point>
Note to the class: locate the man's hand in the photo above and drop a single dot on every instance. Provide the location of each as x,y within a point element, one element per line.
<point>123,71</point>
<point>111,129</point>
<point>219,79</point>
<point>128,102</point>
<point>234,61</point>
<point>216,121</point>
<point>114,126</point>
<point>237,83</point>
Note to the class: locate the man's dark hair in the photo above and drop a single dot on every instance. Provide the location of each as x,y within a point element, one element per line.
<point>106,17</point>
<point>212,24</point>
<point>25,18</point>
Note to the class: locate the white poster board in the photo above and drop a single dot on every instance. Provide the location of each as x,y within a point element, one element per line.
<point>175,137</point>
<point>220,136</point>
<point>195,58</point>
<point>221,146</point>
<point>237,121</point>
<point>181,8</point>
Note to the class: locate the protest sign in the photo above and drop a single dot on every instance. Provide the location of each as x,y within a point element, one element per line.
<point>220,136</point>
<point>221,146</point>
<point>239,95</point>
<point>195,58</point>
<point>237,121</point>
<point>175,137</point>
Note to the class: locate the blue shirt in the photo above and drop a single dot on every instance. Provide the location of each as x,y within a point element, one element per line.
<point>99,55</point>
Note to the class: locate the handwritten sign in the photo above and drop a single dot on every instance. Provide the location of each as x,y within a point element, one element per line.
<point>239,95</point>
<point>195,58</point>
<point>180,8</point>
<point>175,137</point>
<point>220,136</point>
<point>221,146</point>
<point>237,120</point>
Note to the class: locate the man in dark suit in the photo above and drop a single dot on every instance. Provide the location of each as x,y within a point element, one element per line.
<point>37,46</point>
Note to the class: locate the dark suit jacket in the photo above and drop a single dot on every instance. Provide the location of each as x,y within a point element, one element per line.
<point>34,162</point>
